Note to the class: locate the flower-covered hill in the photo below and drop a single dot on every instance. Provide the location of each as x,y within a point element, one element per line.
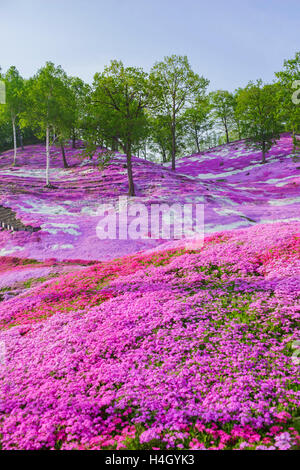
<point>235,188</point>
<point>250,192</point>
<point>68,214</point>
<point>164,349</point>
<point>17,274</point>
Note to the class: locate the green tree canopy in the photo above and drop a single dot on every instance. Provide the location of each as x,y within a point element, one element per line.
<point>47,108</point>
<point>197,122</point>
<point>223,109</point>
<point>258,111</point>
<point>79,92</point>
<point>120,96</point>
<point>15,101</point>
<point>174,85</point>
<point>289,94</point>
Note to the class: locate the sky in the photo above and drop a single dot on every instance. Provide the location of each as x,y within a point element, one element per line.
<point>230,42</point>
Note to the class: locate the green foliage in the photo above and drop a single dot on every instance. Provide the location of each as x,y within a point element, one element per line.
<point>14,84</point>
<point>197,122</point>
<point>120,94</point>
<point>288,94</point>
<point>119,99</point>
<point>78,92</point>
<point>222,102</point>
<point>296,143</point>
<point>160,132</point>
<point>258,111</point>
<point>166,111</point>
<point>14,102</point>
<point>99,157</point>
<point>48,101</point>
<point>174,86</point>
<point>2,89</point>
<point>6,139</point>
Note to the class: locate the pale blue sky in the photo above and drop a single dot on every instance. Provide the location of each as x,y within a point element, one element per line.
<point>228,41</point>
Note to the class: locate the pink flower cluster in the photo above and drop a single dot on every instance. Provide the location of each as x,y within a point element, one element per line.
<point>169,349</point>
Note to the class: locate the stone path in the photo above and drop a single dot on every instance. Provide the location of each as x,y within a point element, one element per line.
<point>8,221</point>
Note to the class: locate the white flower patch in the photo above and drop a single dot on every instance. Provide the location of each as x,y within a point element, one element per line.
<point>273,221</point>
<point>57,227</point>
<point>4,251</point>
<point>194,199</point>
<point>193,159</point>
<point>33,173</point>
<point>226,200</point>
<point>86,172</point>
<point>240,153</point>
<point>284,202</point>
<point>245,188</point>
<point>280,181</point>
<point>211,228</point>
<point>223,211</point>
<point>62,247</point>
<point>45,209</point>
<point>90,211</point>
<point>225,174</point>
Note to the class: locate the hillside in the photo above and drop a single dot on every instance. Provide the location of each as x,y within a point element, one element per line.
<point>164,347</point>
<point>236,177</point>
<point>236,189</point>
<point>169,350</point>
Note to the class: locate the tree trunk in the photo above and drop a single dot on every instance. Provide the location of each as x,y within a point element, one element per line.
<point>164,157</point>
<point>47,158</point>
<point>131,191</point>
<point>73,140</point>
<point>226,132</point>
<point>173,145</point>
<point>294,140</point>
<point>114,146</point>
<point>64,155</point>
<point>15,139</point>
<point>197,141</point>
<point>20,135</point>
<point>21,140</point>
<point>264,152</point>
<point>239,131</point>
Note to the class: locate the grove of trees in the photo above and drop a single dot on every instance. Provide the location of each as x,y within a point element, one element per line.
<point>160,115</point>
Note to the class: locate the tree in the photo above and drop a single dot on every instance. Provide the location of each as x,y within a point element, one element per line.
<point>79,91</point>
<point>288,92</point>
<point>14,84</point>
<point>2,89</point>
<point>46,107</point>
<point>258,110</point>
<point>174,85</point>
<point>197,120</point>
<point>160,136</point>
<point>236,120</point>
<point>5,131</point>
<point>223,109</point>
<point>120,96</point>
<point>68,120</point>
